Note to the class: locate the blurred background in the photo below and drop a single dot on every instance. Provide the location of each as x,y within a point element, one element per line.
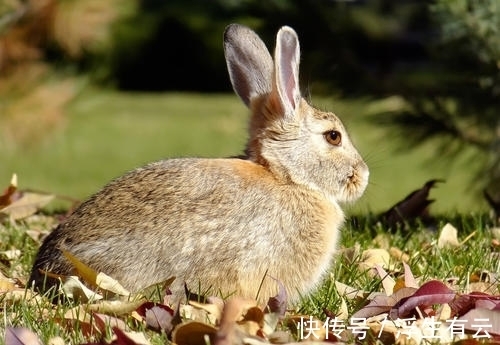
<point>90,89</point>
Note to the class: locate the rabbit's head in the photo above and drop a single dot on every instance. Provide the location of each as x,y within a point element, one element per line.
<point>294,140</point>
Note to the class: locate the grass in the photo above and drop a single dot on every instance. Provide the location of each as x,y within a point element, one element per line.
<point>108,133</point>
<point>427,262</point>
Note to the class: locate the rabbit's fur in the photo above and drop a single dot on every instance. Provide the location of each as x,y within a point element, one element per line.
<point>227,224</point>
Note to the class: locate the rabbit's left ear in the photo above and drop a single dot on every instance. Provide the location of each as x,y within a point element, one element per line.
<point>286,71</point>
<point>249,63</point>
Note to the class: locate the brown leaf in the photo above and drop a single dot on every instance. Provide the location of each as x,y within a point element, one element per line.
<point>10,194</point>
<point>370,258</point>
<point>213,311</point>
<point>233,311</point>
<point>27,205</point>
<point>193,333</point>
<point>414,205</point>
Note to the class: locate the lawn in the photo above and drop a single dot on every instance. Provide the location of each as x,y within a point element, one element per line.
<point>108,133</point>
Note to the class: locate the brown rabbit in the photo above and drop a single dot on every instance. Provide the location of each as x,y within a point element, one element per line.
<point>227,224</point>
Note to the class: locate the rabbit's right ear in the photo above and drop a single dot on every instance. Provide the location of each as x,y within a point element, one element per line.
<point>249,63</point>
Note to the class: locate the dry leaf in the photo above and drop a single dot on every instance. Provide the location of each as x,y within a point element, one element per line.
<point>343,312</point>
<point>27,205</point>
<point>103,321</point>
<point>387,282</point>
<point>114,307</point>
<point>193,333</point>
<point>430,293</point>
<point>448,237</point>
<point>107,283</point>
<point>129,338</point>
<point>9,195</point>
<point>159,319</point>
<point>350,292</point>
<point>56,341</point>
<point>11,254</point>
<point>398,254</point>
<point>213,311</point>
<point>278,303</point>
<point>410,280</point>
<point>372,257</point>
<point>233,311</point>
<point>21,336</point>
<point>192,313</point>
<point>73,288</point>
<point>414,205</point>
<point>485,320</point>
<point>88,274</point>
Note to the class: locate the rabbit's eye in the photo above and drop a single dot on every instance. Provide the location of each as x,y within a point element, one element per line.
<point>333,138</point>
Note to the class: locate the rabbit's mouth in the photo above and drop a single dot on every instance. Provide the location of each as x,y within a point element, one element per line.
<point>355,182</point>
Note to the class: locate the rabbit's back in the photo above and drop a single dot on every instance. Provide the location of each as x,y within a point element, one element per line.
<point>221,223</point>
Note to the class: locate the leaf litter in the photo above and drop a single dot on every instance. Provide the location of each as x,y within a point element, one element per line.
<point>407,310</point>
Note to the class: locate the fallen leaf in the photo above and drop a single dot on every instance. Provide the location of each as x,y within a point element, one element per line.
<point>11,254</point>
<point>103,321</point>
<point>432,292</point>
<point>278,303</point>
<point>387,282</point>
<point>10,194</point>
<point>482,321</point>
<point>56,341</point>
<point>27,205</point>
<point>88,274</point>
<point>107,283</point>
<point>448,237</point>
<point>193,313</point>
<point>20,336</point>
<point>350,292</point>
<point>233,311</point>
<point>372,257</point>
<point>193,333</point>
<point>159,319</point>
<point>214,311</point>
<point>74,289</point>
<point>129,338</point>
<point>414,205</point>
<point>382,303</point>
<point>114,307</point>
<point>410,280</point>
<point>398,254</point>
<point>152,291</point>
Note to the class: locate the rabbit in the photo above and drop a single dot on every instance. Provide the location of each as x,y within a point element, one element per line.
<point>232,226</point>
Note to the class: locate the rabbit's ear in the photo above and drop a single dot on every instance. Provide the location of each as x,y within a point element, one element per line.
<point>248,61</point>
<point>286,78</point>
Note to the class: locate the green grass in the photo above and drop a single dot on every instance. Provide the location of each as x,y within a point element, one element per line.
<point>108,133</point>
<point>426,261</point>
